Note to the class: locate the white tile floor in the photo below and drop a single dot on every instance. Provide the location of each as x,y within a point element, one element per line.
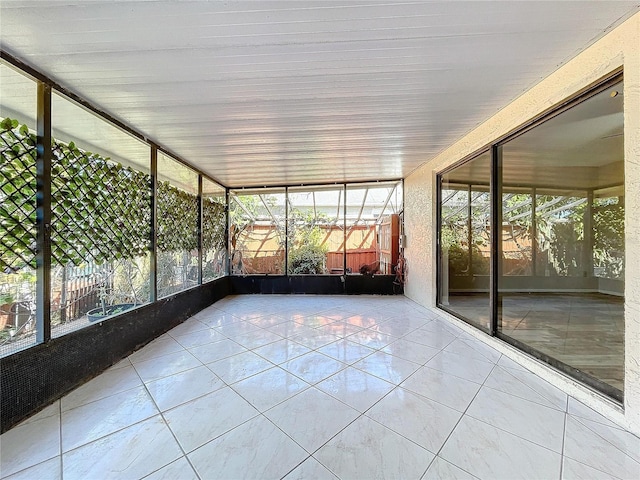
<point>317,387</point>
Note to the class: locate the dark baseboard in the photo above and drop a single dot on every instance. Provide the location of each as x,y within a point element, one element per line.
<point>36,377</point>
<point>315,284</point>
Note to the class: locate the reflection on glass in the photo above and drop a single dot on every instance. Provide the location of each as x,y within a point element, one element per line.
<point>370,208</point>
<point>517,248</point>
<point>214,225</point>
<point>608,233</point>
<point>560,234</point>
<point>18,204</point>
<point>465,214</point>
<point>315,230</point>
<point>101,210</point>
<point>562,281</point>
<point>257,231</point>
<point>177,199</point>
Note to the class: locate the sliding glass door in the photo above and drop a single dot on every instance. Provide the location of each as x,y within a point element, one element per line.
<point>557,291</point>
<point>465,233</point>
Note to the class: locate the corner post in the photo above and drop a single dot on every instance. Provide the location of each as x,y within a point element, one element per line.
<point>43,215</point>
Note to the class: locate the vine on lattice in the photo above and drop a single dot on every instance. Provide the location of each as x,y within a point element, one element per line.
<point>101,210</point>
<point>17,196</point>
<point>177,219</point>
<point>213,229</point>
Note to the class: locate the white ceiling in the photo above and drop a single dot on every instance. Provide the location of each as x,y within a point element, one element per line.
<point>290,92</point>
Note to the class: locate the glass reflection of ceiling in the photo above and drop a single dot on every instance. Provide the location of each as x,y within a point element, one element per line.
<point>212,189</point>
<point>177,174</point>
<point>582,147</point>
<point>476,172</point>
<point>72,123</point>
<point>19,96</point>
<point>589,134</point>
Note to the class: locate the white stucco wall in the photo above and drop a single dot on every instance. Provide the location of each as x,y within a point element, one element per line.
<point>620,48</point>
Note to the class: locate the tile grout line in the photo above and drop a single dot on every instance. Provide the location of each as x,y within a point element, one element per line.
<point>458,423</point>
<point>536,391</point>
<point>394,385</point>
<point>160,412</point>
<point>608,474</point>
<point>514,434</point>
<point>581,422</point>
<point>112,433</point>
<point>102,398</point>
<point>166,376</point>
<point>269,420</point>
<point>564,437</point>
<point>61,466</point>
<point>164,420</point>
<point>557,409</point>
<point>360,414</point>
<point>363,414</point>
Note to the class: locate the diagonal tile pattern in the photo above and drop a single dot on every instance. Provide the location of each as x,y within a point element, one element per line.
<point>320,387</point>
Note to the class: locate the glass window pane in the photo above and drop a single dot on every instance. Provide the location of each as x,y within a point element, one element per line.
<point>101,208</point>
<point>177,197</point>
<point>369,206</point>
<point>465,215</point>
<point>18,211</point>
<point>568,303</point>
<point>214,226</point>
<point>608,233</point>
<point>257,231</point>
<point>316,230</point>
<point>517,218</point>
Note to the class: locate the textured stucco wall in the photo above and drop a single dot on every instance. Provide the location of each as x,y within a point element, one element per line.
<point>619,48</point>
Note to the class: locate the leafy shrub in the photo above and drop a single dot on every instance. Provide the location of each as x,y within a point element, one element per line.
<point>459,261</point>
<point>307,259</point>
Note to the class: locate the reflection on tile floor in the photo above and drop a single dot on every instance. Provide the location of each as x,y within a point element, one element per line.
<point>583,330</point>
<point>317,387</point>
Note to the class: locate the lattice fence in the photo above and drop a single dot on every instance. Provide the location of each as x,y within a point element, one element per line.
<point>17,196</point>
<point>177,219</point>
<point>100,209</point>
<point>213,224</point>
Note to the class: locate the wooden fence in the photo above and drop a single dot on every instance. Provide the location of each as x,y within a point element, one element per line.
<point>355,260</point>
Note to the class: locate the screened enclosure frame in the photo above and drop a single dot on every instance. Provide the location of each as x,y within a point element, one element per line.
<point>496,188</point>
<point>45,88</point>
<point>341,217</point>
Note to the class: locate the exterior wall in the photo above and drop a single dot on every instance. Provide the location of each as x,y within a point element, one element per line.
<point>620,48</point>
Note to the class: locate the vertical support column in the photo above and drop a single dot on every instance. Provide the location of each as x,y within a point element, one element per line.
<point>495,300</point>
<point>43,215</point>
<point>200,226</point>
<point>153,267</point>
<point>534,233</point>
<point>344,231</point>
<point>286,231</point>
